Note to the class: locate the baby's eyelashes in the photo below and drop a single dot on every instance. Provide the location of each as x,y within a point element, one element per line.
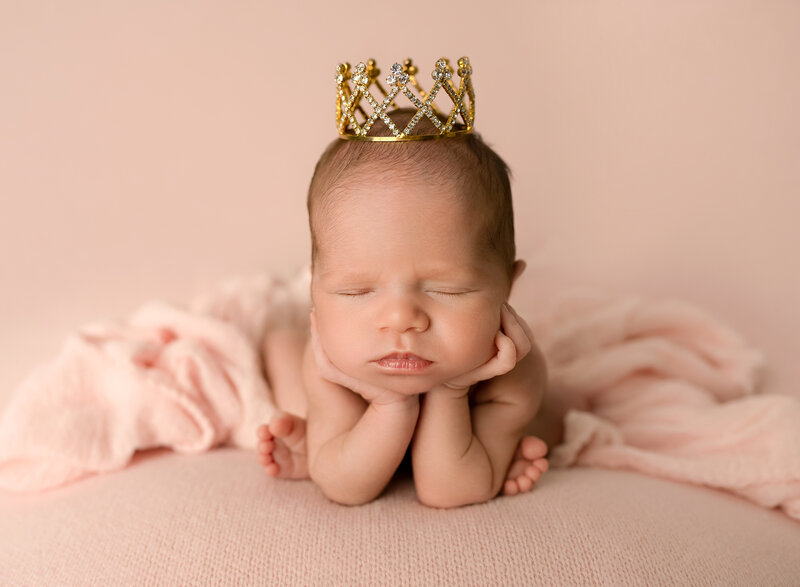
<point>354,292</point>
<point>436,291</point>
<point>448,292</point>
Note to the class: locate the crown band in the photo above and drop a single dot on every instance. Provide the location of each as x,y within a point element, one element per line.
<point>355,86</point>
<point>393,139</point>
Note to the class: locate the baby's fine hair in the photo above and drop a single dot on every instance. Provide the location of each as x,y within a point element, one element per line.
<point>464,162</point>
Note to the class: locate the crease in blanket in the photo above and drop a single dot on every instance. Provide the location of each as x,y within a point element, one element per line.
<point>655,386</point>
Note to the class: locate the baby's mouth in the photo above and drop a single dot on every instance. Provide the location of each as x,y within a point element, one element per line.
<point>403,362</point>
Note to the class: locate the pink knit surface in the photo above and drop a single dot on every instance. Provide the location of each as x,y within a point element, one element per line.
<point>216,519</point>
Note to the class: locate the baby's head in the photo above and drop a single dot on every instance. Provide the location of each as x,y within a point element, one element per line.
<point>463,164</point>
<point>413,255</point>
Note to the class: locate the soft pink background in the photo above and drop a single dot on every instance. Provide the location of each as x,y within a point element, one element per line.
<point>152,149</point>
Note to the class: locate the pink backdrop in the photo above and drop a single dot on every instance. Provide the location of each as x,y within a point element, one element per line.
<point>151,150</point>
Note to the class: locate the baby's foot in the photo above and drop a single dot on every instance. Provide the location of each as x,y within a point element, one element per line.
<point>527,466</point>
<point>282,447</point>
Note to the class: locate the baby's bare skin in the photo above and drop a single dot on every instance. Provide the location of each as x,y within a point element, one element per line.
<point>282,444</point>
<point>412,344</point>
<point>470,441</point>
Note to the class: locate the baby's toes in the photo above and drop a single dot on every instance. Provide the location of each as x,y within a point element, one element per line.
<point>517,468</point>
<point>266,447</point>
<point>281,426</point>
<point>266,451</point>
<point>510,487</point>
<point>524,483</point>
<point>542,464</point>
<point>533,473</point>
<point>263,432</point>
<point>533,448</point>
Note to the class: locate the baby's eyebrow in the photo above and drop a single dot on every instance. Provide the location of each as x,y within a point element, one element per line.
<point>460,275</point>
<point>345,275</point>
<point>459,272</point>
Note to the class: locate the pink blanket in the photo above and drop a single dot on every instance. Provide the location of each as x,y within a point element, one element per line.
<point>658,387</point>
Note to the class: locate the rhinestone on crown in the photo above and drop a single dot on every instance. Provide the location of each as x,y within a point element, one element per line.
<point>398,76</point>
<point>402,80</point>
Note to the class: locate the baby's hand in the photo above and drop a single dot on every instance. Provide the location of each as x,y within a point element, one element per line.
<point>329,371</point>
<point>514,340</point>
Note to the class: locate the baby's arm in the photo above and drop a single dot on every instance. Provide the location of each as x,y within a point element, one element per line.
<point>354,447</point>
<point>461,453</point>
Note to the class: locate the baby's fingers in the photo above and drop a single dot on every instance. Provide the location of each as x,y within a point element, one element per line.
<point>522,323</point>
<point>503,361</point>
<point>517,330</point>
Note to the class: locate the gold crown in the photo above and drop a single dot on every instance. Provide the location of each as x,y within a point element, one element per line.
<point>349,100</point>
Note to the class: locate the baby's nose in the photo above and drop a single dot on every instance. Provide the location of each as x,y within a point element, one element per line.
<point>402,314</point>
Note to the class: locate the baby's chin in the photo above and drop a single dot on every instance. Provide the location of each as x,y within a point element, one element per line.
<point>418,383</point>
<point>410,384</point>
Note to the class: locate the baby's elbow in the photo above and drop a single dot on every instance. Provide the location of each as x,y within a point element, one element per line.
<point>450,499</point>
<point>349,494</point>
<point>351,498</point>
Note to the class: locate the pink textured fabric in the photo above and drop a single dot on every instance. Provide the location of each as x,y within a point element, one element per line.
<point>663,388</point>
<point>216,519</point>
<point>188,379</point>
<point>658,387</point>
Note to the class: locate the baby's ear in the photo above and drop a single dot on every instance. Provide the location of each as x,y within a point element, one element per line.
<point>519,268</point>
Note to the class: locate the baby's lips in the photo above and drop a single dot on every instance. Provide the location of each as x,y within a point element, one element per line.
<point>403,356</point>
<point>404,361</point>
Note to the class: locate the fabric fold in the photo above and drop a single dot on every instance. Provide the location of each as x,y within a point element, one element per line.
<point>663,388</point>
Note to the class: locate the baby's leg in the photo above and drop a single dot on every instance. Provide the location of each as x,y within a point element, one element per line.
<point>282,447</point>
<point>282,442</point>
<point>545,430</point>
<point>527,465</point>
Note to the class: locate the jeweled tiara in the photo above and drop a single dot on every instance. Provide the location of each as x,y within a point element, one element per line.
<point>354,123</point>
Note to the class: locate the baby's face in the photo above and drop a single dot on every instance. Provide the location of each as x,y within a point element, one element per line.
<point>403,297</point>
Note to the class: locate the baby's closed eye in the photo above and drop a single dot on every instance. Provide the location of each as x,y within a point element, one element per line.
<point>444,291</point>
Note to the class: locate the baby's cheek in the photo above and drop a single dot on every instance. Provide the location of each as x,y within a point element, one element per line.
<point>478,342</point>
<point>338,347</point>
<point>333,338</point>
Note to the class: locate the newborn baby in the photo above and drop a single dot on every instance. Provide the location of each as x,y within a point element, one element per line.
<point>412,343</point>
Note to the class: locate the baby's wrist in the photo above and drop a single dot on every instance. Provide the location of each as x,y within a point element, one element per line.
<point>450,391</point>
<point>395,401</point>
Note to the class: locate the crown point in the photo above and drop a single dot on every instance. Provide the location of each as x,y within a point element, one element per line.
<point>443,70</point>
<point>372,70</point>
<point>397,76</point>
<point>360,77</point>
<point>464,68</point>
<point>409,67</point>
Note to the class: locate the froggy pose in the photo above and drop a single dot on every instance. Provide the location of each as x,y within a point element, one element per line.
<point>411,342</point>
